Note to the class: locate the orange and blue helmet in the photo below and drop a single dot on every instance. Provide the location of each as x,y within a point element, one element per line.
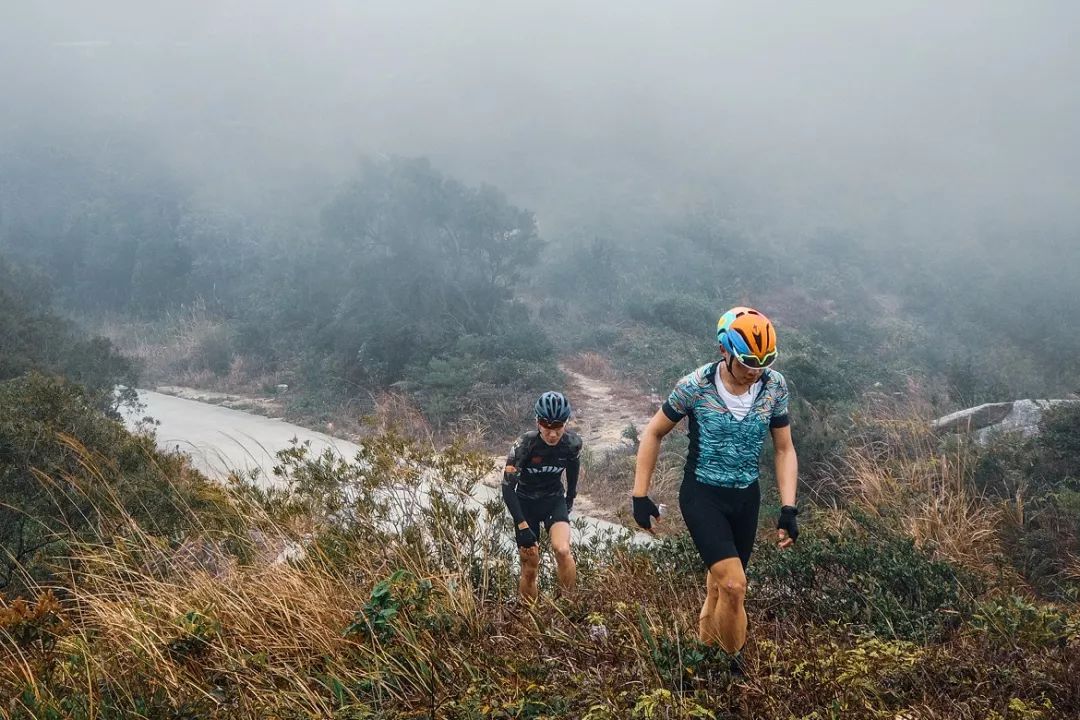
<point>748,336</point>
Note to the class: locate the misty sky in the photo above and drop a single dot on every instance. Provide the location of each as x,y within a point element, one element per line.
<point>952,120</point>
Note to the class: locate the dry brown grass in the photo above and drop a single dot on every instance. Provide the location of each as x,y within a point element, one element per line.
<point>273,639</point>
<point>145,630</point>
<point>279,611</point>
<point>163,344</point>
<point>168,350</point>
<point>608,479</point>
<point>396,412</point>
<point>592,364</point>
<point>902,469</point>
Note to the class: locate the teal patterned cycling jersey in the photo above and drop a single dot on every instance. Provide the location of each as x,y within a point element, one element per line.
<point>724,451</point>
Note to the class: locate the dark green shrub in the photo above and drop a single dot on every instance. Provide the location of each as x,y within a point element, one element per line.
<point>868,578</point>
<point>67,472</point>
<point>487,375</point>
<point>1043,472</point>
<point>401,594</point>
<point>690,314</point>
<point>33,338</point>
<point>214,351</point>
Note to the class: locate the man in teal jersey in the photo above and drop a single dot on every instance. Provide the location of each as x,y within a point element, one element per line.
<point>732,405</point>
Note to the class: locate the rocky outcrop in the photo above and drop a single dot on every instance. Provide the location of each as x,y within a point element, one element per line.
<point>984,421</point>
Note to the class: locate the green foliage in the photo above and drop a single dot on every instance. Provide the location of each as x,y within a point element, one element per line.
<point>420,260</point>
<point>474,375</point>
<point>683,313</point>
<point>197,632</point>
<point>33,338</point>
<point>836,675</point>
<point>104,228</point>
<point>868,578</point>
<point>661,703</point>
<point>1059,445</point>
<point>677,659</point>
<point>1044,474</point>
<point>402,593</point>
<point>66,471</point>
<point>1013,621</point>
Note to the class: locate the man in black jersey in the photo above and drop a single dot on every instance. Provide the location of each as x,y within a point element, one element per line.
<point>533,491</point>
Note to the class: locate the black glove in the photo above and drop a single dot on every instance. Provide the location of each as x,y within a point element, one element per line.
<point>787,521</point>
<point>525,537</point>
<point>570,503</point>
<point>644,511</point>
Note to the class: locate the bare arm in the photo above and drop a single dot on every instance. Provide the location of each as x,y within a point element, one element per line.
<point>787,475</point>
<point>787,465</point>
<point>649,451</point>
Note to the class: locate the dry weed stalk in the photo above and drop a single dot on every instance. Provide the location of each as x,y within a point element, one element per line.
<point>903,470</point>
<point>592,364</point>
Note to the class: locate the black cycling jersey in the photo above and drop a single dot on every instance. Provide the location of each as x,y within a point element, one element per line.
<point>534,470</point>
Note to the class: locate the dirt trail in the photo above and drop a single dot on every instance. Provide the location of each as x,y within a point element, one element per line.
<point>603,410</point>
<point>259,406</point>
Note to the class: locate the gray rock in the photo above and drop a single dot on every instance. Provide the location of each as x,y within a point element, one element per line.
<point>985,421</point>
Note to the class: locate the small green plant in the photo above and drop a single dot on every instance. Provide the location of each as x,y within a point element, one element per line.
<point>1025,710</point>
<point>1014,621</point>
<point>197,632</point>
<point>661,703</point>
<point>678,659</point>
<point>402,592</point>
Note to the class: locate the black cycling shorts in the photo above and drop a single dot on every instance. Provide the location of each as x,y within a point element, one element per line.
<point>722,521</point>
<point>547,510</point>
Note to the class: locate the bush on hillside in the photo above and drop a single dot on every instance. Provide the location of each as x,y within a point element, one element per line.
<point>213,351</point>
<point>32,337</point>
<point>67,472</point>
<point>685,313</point>
<point>867,577</point>
<point>1040,478</point>
<point>491,377</point>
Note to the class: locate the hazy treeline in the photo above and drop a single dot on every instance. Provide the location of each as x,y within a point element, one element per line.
<point>397,275</point>
<point>397,271</point>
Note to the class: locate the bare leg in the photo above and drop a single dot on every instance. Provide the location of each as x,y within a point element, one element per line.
<point>565,566</point>
<point>723,617</point>
<point>530,573</point>
<point>707,631</point>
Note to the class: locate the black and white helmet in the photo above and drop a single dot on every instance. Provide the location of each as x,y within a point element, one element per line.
<point>553,407</point>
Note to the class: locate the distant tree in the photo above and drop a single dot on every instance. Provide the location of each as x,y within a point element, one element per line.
<point>421,260</point>
<point>103,227</point>
<point>33,338</point>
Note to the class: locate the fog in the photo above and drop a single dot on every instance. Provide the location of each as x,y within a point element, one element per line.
<point>886,119</point>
